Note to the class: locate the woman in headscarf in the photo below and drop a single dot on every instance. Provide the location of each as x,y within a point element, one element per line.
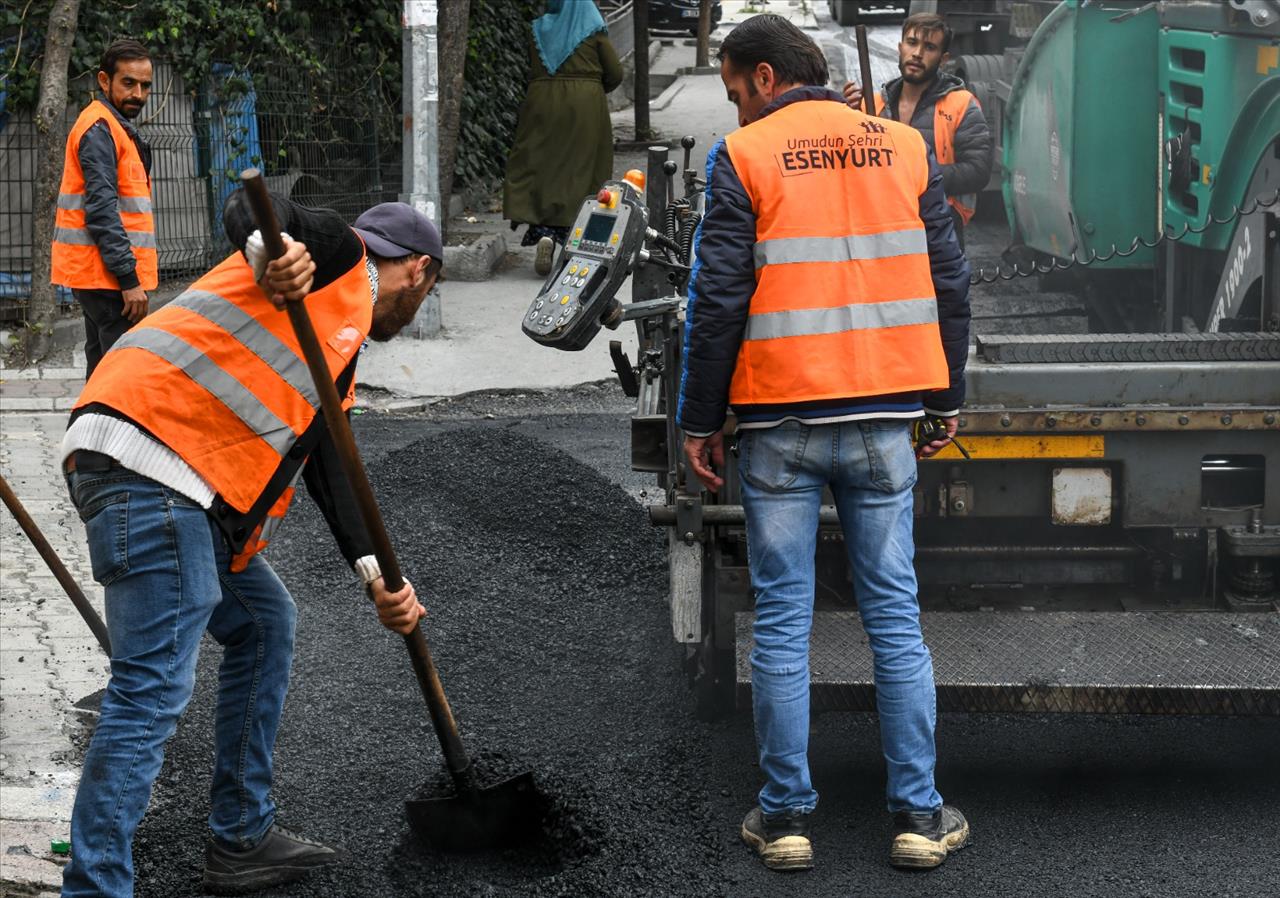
<point>563,147</point>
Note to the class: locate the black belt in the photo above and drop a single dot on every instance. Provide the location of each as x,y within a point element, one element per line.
<point>88,461</point>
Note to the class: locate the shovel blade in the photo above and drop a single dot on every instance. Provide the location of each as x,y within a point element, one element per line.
<point>504,815</point>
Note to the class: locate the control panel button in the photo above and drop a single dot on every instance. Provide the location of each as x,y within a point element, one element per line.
<point>564,300</point>
<point>573,269</point>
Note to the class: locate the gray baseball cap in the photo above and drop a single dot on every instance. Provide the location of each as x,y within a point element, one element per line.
<point>393,230</point>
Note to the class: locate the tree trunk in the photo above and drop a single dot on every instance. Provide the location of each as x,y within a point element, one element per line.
<point>451,30</point>
<point>51,135</point>
<point>703,57</point>
<point>640,96</point>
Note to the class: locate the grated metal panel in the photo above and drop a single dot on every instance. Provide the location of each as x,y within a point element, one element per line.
<point>1085,662</point>
<point>1059,348</point>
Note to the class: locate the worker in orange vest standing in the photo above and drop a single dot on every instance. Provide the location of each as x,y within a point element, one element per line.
<point>181,458</point>
<point>937,105</point>
<point>829,306</point>
<point>104,239</point>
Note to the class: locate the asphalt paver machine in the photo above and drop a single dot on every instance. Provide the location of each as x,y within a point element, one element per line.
<point>1112,544</point>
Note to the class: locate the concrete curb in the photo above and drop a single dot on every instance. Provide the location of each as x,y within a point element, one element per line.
<point>474,261</point>
<point>664,99</point>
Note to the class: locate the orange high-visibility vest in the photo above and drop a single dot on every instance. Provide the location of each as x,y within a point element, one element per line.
<point>218,376</point>
<point>76,260</point>
<point>844,303</point>
<point>948,112</point>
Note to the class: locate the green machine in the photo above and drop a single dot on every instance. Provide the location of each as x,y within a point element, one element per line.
<point>1141,158</point>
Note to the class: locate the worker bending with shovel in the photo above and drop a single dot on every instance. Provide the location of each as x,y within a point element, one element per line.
<point>181,458</point>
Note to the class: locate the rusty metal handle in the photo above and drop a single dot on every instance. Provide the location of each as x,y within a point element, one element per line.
<point>419,652</point>
<point>60,572</point>
<point>864,63</point>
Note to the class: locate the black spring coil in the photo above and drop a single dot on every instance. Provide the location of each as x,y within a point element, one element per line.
<point>686,238</point>
<point>672,228</point>
<point>990,276</point>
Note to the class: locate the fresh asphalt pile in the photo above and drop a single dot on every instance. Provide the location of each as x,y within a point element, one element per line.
<point>546,589</point>
<point>547,595</point>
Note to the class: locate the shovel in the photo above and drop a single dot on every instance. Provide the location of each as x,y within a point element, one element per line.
<point>475,817</point>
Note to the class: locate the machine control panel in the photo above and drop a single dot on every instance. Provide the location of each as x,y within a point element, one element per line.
<point>577,299</point>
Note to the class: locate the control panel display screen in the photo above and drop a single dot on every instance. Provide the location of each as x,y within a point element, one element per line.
<point>599,227</point>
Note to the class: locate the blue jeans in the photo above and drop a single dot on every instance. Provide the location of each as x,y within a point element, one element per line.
<point>163,564</point>
<point>871,468</point>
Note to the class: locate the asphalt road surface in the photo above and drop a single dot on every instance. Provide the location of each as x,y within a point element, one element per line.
<point>517,520</point>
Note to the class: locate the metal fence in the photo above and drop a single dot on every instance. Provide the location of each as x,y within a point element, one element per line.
<point>315,139</point>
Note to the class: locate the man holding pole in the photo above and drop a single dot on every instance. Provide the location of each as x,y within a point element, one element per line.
<point>181,458</point>
<point>937,105</point>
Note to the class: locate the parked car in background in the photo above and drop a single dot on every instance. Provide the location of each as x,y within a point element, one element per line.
<point>680,15</point>
<point>853,12</point>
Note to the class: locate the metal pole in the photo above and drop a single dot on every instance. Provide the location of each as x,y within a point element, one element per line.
<point>421,105</point>
<point>864,62</point>
<point>640,16</point>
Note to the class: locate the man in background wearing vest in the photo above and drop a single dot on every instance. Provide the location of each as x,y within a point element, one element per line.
<point>104,241</point>
<point>829,306</point>
<point>938,106</point>
<point>181,458</point>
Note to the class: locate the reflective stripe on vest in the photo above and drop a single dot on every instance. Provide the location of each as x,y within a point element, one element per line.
<point>218,376</point>
<point>76,260</point>
<point>859,316</point>
<point>788,250</point>
<point>844,303</point>
<point>82,237</point>
<point>124,203</point>
<point>948,113</point>
<point>199,367</point>
<point>254,337</point>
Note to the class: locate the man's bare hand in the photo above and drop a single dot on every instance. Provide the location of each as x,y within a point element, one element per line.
<point>288,278</point>
<point>706,454</point>
<point>135,304</point>
<point>398,611</point>
<point>938,445</point>
<point>853,95</point>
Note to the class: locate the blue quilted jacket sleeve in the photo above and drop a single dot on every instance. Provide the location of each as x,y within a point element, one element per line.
<point>720,289</point>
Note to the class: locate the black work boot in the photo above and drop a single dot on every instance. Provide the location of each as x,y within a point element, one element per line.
<point>922,840</point>
<point>281,856</point>
<point>781,840</point>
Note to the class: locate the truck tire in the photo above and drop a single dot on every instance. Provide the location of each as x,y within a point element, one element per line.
<point>845,12</point>
<point>986,68</point>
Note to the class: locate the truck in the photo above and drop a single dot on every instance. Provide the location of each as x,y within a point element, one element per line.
<point>1111,542</point>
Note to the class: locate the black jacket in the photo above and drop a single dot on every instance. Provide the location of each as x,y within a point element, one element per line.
<point>97,153</point>
<point>723,282</point>
<point>972,168</point>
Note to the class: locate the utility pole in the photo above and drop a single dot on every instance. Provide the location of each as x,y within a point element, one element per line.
<point>640,18</point>
<point>421,145</point>
<point>421,109</point>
